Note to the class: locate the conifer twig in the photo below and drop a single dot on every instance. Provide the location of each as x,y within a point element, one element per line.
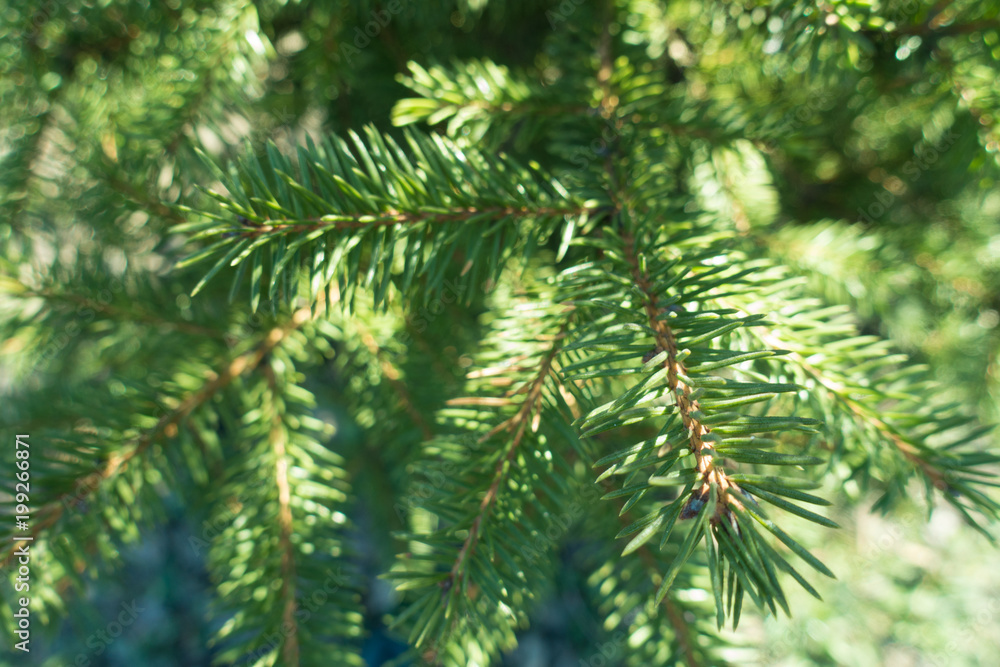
<point>251,229</point>
<point>908,450</point>
<point>674,615</point>
<point>166,427</point>
<point>518,423</point>
<point>687,406</point>
<point>136,315</point>
<point>278,438</point>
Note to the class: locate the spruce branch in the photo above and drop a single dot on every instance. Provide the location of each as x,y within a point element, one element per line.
<point>690,342</point>
<point>479,102</point>
<point>165,428</point>
<point>147,202</point>
<point>881,395</point>
<point>687,636</point>
<point>711,474</point>
<point>56,298</point>
<point>683,634</point>
<point>864,412</point>
<point>370,214</point>
<point>290,648</point>
<point>494,486</point>
<point>21,169</point>
<point>284,543</point>
<point>591,203</point>
<point>272,229</point>
<point>528,414</point>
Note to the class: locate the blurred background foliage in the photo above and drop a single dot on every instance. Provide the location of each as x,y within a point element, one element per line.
<point>857,141</point>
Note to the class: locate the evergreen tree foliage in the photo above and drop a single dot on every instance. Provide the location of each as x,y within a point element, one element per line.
<point>407,310</point>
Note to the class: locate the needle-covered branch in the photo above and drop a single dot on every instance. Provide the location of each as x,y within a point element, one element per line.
<point>698,384</point>
<point>368,214</point>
